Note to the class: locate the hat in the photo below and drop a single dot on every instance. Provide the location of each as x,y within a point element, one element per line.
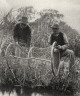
<point>23,18</point>
<point>55,26</point>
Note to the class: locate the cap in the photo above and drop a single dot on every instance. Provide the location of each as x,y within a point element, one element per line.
<point>23,18</point>
<point>55,26</point>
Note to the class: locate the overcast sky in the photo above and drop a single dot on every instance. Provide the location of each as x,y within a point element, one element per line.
<point>69,8</point>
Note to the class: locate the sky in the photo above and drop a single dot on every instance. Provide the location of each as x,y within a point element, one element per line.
<point>69,8</point>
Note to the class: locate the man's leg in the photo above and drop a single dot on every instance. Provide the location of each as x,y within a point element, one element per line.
<point>69,54</point>
<point>18,52</point>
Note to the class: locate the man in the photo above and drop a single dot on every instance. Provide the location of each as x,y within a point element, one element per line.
<point>22,34</point>
<point>61,45</point>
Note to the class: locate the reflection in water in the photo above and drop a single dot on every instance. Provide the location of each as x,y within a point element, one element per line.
<point>28,92</point>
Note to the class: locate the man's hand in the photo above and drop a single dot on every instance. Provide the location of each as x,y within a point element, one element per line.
<point>59,47</point>
<point>16,42</point>
<point>55,50</point>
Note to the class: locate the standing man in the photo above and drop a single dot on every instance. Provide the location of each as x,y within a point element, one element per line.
<point>61,45</point>
<point>22,34</point>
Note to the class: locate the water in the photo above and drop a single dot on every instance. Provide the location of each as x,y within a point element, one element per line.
<point>29,92</point>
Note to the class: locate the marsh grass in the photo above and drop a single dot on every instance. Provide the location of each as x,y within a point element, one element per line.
<point>36,73</point>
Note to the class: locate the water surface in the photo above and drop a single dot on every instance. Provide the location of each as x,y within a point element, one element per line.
<point>29,92</point>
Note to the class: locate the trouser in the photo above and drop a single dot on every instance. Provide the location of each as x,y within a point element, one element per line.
<point>22,51</point>
<point>67,53</point>
<point>70,55</point>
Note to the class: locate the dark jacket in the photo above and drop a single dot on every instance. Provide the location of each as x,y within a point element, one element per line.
<point>22,33</point>
<point>61,39</point>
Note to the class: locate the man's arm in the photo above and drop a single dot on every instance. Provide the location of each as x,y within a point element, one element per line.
<point>29,36</point>
<point>66,45</point>
<point>50,40</point>
<point>15,35</point>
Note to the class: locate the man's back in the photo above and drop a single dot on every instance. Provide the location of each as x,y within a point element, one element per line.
<point>22,33</point>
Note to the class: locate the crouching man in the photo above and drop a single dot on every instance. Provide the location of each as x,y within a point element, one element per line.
<point>60,45</point>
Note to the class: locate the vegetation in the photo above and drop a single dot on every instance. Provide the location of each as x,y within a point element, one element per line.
<point>35,73</point>
<point>20,71</point>
<point>40,23</point>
